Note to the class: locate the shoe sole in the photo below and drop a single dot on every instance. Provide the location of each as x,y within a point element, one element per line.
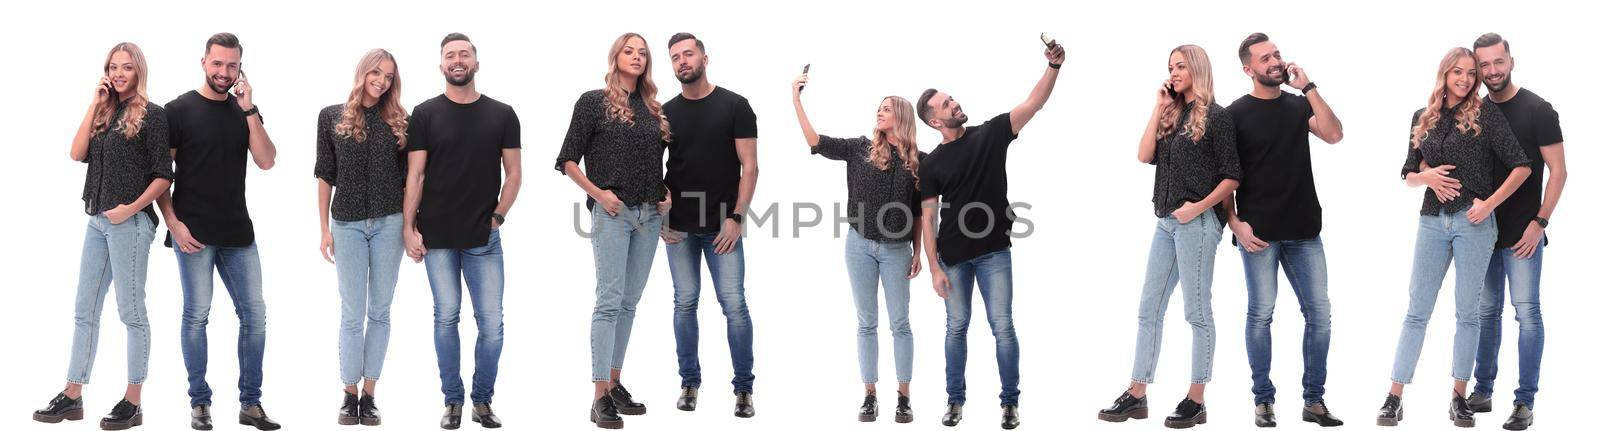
<point>458,425</point>
<point>1517,427</point>
<point>247,421</point>
<point>69,415</point>
<point>1260,424</point>
<point>1006,426</point>
<point>371,422</point>
<point>1135,414</point>
<point>867,418</point>
<point>134,421</point>
<point>1308,417</point>
<point>610,425</point>
<point>479,420</point>
<point>630,411</point>
<point>902,419</point>
<point>686,407</point>
<point>348,420</point>
<point>1463,422</point>
<point>1198,420</point>
<point>200,428</point>
<point>1398,416</point>
<point>951,423</point>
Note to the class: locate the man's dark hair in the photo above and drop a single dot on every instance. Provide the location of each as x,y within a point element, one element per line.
<point>686,36</point>
<point>225,40</point>
<point>1491,39</point>
<point>1249,41</point>
<point>923,110</point>
<point>452,37</point>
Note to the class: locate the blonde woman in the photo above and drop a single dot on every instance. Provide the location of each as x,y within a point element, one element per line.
<point>123,141</point>
<point>359,145</point>
<point>884,241</point>
<point>1190,139</point>
<point>620,134</point>
<point>1454,142</point>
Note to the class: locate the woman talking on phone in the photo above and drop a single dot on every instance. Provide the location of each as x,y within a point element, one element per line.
<point>1190,139</point>
<point>884,240</point>
<point>123,141</point>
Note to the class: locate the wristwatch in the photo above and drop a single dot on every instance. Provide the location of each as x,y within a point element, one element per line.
<point>252,111</point>
<point>499,218</point>
<point>1543,222</point>
<point>737,218</point>
<point>1309,86</point>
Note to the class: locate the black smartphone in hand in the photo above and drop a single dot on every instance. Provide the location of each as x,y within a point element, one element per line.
<point>805,71</point>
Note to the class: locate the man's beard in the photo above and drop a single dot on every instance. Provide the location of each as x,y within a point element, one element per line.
<point>1504,82</point>
<point>219,90</point>
<point>1267,79</point>
<point>956,121</point>
<point>693,76</point>
<point>466,78</point>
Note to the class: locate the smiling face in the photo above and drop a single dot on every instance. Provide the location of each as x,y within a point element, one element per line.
<point>1495,65</point>
<point>378,80</point>
<point>458,60</point>
<point>124,73</point>
<point>1461,81</point>
<point>1266,65</point>
<point>633,58</point>
<point>688,63</point>
<point>1178,73</point>
<point>221,65</point>
<point>945,112</point>
<point>886,116</point>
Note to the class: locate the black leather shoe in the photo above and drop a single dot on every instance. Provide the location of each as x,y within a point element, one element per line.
<point>200,417</point>
<point>368,411</point>
<point>1008,417</point>
<point>350,411</point>
<point>257,417</point>
<point>902,410</point>
<point>624,401</point>
<point>743,406</point>
<point>1460,414</point>
<point>688,399</point>
<point>952,415</point>
<point>452,417</point>
<point>483,415</point>
<point>604,414</point>
<point>1392,412</point>
<point>1126,407</point>
<point>869,409</point>
<point>123,416</point>
<point>1521,418</point>
<point>1187,415</point>
<point>1317,412</point>
<point>60,409</point>
<point>1480,403</point>
<point>1265,418</point>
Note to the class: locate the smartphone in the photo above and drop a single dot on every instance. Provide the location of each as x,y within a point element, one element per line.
<point>1287,77</point>
<point>109,90</point>
<point>235,87</point>
<point>1048,41</point>
<point>805,71</point>
<point>1172,92</point>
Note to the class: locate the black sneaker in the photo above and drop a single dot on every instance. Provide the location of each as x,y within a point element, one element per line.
<point>1317,412</point>
<point>688,399</point>
<point>1009,418</point>
<point>257,417</point>
<point>902,409</point>
<point>1521,418</point>
<point>452,417</point>
<point>604,414</point>
<point>869,409</point>
<point>1460,414</point>
<point>483,415</point>
<point>1265,418</point>
<point>1187,415</point>
<point>1126,407</point>
<point>1392,412</point>
<point>60,408</point>
<point>952,415</point>
<point>368,411</point>
<point>123,416</point>
<point>1480,403</point>
<point>624,401</point>
<point>200,417</point>
<point>743,406</point>
<point>350,411</point>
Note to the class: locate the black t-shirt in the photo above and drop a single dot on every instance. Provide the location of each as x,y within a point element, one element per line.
<point>1277,195</point>
<point>461,183</point>
<point>970,173</point>
<point>212,139</point>
<point>1536,124</point>
<point>702,159</point>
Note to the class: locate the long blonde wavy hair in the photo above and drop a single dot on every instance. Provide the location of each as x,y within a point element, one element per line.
<point>901,138</point>
<point>1466,111</point>
<point>617,108</point>
<point>1200,84</point>
<point>352,123</point>
<point>133,117</point>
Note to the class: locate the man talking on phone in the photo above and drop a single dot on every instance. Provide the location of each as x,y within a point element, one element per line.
<point>212,130</point>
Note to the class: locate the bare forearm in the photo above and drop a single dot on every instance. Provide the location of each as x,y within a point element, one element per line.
<point>80,141</point>
<point>1223,191</point>
<point>262,150</point>
<point>577,176</point>
<point>508,193</point>
<point>152,192</point>
<point>805,124</point>
<point>1552,193</point>
<point>1147,142</point>
<point>324,196</point>
<point>164,203</point>
<point>1329,128</point>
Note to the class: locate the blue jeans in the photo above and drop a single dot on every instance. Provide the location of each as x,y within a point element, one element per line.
<point>727,277</point>
<point>1523,275</point>
<point>1186,254</point>
<point>483,268</point>
<point>240,270</point>
<point>367,256</point>
<point>117,252</point>
<point>1440,239</point>
<point>624,247</point>
<point>992,275</point>
<point>1306,267</point>
<point>868,263</point>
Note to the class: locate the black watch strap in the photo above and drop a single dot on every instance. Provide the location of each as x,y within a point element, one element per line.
<point>1309,86</point>
<point>1543,222</point>
<point>737,218</point>
<point>498,218</point>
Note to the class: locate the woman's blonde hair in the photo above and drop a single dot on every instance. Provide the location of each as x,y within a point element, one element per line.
<point>133,117</point>
<point>1466,111</point>
<point>352,122</point>
<point>901,138</point>
<point>617,107</point>
<point>1199,83</point>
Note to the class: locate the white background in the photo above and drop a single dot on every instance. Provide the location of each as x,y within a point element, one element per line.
<point>1077,278</point>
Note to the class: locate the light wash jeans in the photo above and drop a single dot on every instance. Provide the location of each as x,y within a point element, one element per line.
<point>112,252</point>
<point>869,263</point>
<point>483,268</point>
<point>727,278</point>
<point>1441,239</point>
<point>1180,253</point>
<point>624,248</point>
<point>1306,266</point>
<point>1522,276</point>
<point>367,255</point>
